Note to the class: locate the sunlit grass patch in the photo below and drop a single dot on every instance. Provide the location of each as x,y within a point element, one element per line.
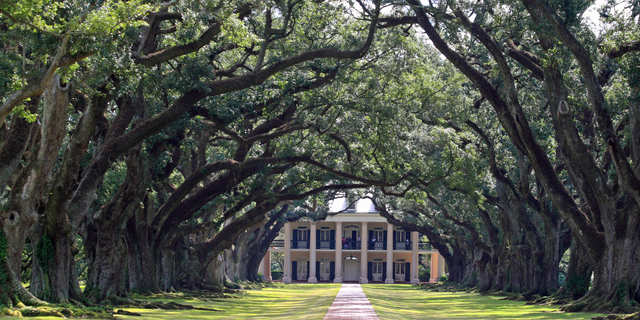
<point>294,301</point>
<point>402,301</point>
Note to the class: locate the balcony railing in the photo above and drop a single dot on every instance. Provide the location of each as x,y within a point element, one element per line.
<point>376,245</point>
<point>324,245</point>
<point>351,244</point>
<point>299,244</point>
<point>424,246</point>
<point>404,245</point>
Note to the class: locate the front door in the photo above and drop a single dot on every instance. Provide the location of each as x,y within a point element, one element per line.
<point>376,272</point>
<point>302,270</point>
<point>399,271</point>
<point>325,270</point>
<point>351,269</point>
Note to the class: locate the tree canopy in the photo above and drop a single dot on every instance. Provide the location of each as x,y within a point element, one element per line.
<point>170,136</point>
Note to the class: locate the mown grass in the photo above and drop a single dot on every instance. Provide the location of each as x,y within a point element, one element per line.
<point>311,301</point>
<point>403,301</point>
<point>294,301</point>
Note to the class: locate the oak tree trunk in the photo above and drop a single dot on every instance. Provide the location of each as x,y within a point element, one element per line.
<point>579,272</point>
<point>141,259</point>
<point>52,267</point>
<point>106,259</point>
<point>11,290</point>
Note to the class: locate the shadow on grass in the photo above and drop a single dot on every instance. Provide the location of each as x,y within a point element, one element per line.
<point>408,302</point>
<point>295,301</point>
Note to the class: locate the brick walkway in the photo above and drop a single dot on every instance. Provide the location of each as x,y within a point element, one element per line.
<point>351,303</point>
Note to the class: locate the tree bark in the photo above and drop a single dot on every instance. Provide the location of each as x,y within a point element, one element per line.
<point>143,272</point>
<point>616,282</point>
<point>52,266</point>
<point>11,290</point>
<point>106,256</point>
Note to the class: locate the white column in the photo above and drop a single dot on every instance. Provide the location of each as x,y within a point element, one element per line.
<point>389,253</point>
<point>286,278</point>
<point>364,234</point>
<point>434,267</point>
<point>338,263</point>
<point>267,265</point>
<point>312,254</point>
<point>414,258</point>
<point>441,264</point>
<point>261,268</point>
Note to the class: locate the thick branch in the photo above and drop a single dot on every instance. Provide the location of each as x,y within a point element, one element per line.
<point>518,129</point>
<point>625,173</point>
<point>526,59</point>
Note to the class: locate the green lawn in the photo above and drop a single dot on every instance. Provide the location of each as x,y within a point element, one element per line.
<point>403,301</point>
<point>311,301</point>
<point>294,301</point>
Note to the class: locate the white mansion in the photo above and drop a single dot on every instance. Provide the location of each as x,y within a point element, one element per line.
<point>368,249</point>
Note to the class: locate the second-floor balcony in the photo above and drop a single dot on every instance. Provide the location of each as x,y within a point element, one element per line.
<point>326,244</point>
<point>403,245</point>
<point>377,245</point>
<point>299,244</point>
<point>351,244</point>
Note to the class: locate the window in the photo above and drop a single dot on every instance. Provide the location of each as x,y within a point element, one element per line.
<point>378,235</point>
<point>325,235</point>
<point>376,267</point>
<point>302,270</point>
<point>402,236</point>
<point>398,268</point>
<point>302,235</point>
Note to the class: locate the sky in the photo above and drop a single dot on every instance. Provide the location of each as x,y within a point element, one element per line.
<point>592,17</point>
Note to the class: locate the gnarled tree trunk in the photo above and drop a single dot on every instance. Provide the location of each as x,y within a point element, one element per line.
<point>11,290</point>
<point>616,280</point>
<point>143,270</point>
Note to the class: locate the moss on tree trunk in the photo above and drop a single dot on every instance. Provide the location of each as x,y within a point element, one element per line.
<point>12,293</point>
<point>4,273</point>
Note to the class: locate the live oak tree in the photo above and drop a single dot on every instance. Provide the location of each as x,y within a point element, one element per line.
<point>39,41</point>
<point>177,138</point>
<point>241,48</point>
<point>545,39</point>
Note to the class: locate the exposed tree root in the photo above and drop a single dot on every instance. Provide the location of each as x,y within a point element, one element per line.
<point>172,306</point>
<point>595,303</point>
<point>445,286</point>
<point>41,312</point>
<point>140,303</point>
<point>633,316</point>
<point>513,297</point>
<point>551,300</point>
<point>128,313</point>
<point>96,312</point>
<point>106,311</point>
<point>60,311</point>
